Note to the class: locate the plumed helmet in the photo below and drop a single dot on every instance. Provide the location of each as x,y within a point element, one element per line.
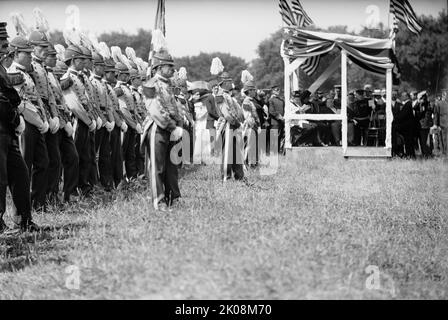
<point>20,44</point>
<point>72,52</point>
<point>86,52</point>
<point>38,38</point>
<point>161,59</point>
<point>121,67</point>
<point>60,68</point>
<point>97,59</point>
<point>249,85</point>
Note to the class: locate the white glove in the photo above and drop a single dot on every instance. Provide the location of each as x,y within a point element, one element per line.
<point>56,125</point>
<point>21,127</point>
<point>92,126</point>
<point>51,124</point>
<point>44,128</point>
<point>99,123</point>
<point>138,128</point>
<point>108,126</point>
<point>112,124</point>
<point>176,134</point>
<point>69,129</point>
<point>124,126</point>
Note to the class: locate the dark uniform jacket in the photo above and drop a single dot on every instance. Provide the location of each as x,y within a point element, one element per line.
<point>403,116</point>
<point>9,101</point>
<point>212,115</point>
<point>276,111</point>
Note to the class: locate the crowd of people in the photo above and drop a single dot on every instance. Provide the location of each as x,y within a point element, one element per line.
<point>85,117</point>
<point>418,124</point>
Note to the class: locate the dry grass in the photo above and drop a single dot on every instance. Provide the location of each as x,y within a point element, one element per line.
<point>308,232</point>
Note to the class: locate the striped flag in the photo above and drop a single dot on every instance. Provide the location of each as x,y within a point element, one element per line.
<point>298,17</point>
<point>160,17</point>
<point>402,11</point>
<point>286,13</point>
<point>310,65</point>
<point>302,18</point>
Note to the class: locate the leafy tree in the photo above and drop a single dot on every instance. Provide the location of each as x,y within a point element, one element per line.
<point>423,59</point>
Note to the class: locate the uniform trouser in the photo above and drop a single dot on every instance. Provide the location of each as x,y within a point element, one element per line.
<point>35,154</point>
<point>129,153</point>
<point>423,139</point>
<point>14,173</point>
<point>232,157</point>
<point>139,156</point>
<point>164,173</point>
<point>82,142</point>
<point>54,166</point>
<point>116,155</point>
<point>93,171</point>
<point>444,140</point>
<point>70,163</point>
<point>103,148</point>
<point>281,138</point>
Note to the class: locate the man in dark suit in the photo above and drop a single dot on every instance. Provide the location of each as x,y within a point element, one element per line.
<point>277,113</point>
<point>404,123</point>
<point>13,170</point>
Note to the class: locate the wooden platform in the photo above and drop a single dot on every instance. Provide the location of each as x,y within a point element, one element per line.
<point>352,152</point>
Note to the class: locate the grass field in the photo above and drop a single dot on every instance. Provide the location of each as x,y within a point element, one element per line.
<point>308,232</point>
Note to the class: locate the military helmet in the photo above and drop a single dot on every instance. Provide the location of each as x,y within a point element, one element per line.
<point>72,52</point>
<point>161,59</point>
<point>97,59</point>
<point>20,44</point>
<point>109,65</point>
<point>60,68</point>
<point>121,68</point>
<point>38,38</point>
<point>86,52</point>
<point>249,85</point>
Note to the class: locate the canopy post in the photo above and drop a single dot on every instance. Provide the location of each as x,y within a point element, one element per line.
<point>389,114</point>
<point>287,91</point>
<point>344,100</point>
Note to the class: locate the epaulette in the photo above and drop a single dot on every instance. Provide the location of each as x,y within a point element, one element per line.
<point>16,78</point>
<point>66,83</point>
<point>118,91</point>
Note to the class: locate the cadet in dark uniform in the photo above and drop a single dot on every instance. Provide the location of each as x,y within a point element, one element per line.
<point>361,117</point>
<point>13,170</point>
<point>165,132</point>
<point>36,122</point>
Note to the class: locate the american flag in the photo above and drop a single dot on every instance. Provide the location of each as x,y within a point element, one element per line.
<point>303,20</point>
<point>298,17</point>
<point>402,11</point>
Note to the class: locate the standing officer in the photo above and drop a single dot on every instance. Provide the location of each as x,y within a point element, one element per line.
<point>40,76</point>
<point>75,93</point>
<point>165,132</point>
<point>36,124</point>
<point>13,170</point>
<point>67,148</point>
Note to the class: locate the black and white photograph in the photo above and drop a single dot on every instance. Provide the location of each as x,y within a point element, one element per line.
<point>208,150</point>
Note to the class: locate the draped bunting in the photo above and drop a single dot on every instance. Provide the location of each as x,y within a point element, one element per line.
<point>373,55</point>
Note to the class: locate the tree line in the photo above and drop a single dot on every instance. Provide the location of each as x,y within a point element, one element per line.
<point>423,59</point>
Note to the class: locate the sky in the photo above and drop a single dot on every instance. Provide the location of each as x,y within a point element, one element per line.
<point>194,26</point>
